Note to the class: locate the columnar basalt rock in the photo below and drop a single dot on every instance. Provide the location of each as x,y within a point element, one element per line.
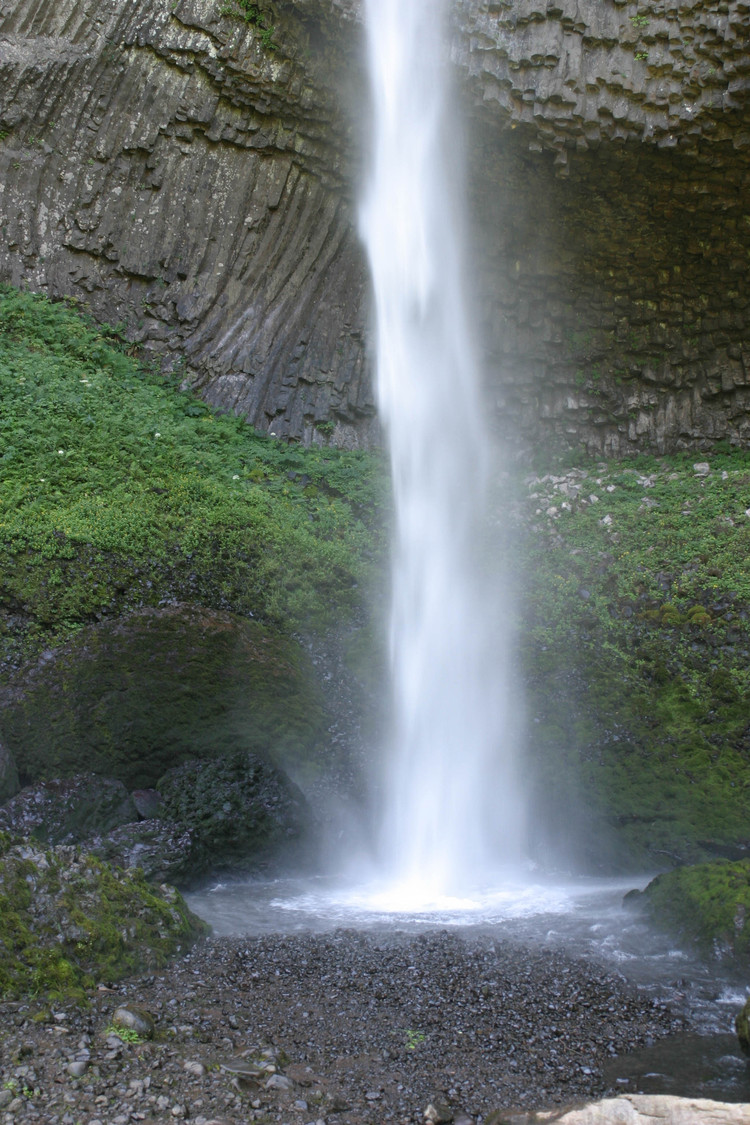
<point>185,178</point>
<point>192,179</point>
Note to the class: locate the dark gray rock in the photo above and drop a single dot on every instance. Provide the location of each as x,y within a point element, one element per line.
<point>160,848</point>
<point>68,811</point>
<point>9,784</point>
<point>240,810</point>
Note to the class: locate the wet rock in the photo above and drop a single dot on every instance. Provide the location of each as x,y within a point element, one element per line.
<point>742,1027</point>
<point>68,811</point>
<point>147,802</point>
<point>239,810</point>
<point>136,1019</point>
<point>161,849</point>
<point>78,1068</point>
<point>9,784</point>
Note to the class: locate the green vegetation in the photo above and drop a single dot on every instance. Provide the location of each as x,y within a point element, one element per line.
<point>251,14</point>
<point>117,490</point>
<point>636,643</point>
<point>126,1034</point>
<point>707,905</point>
<point>69,921</point>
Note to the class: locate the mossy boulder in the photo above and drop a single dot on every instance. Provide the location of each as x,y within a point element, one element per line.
<point>130,699</point>
<point>68,921</point>
<point>707,905</point>
<point>240,813</point>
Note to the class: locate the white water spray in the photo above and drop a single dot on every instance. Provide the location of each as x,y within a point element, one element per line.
<point>452,809</point>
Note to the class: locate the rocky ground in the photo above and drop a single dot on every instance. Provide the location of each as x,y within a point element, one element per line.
<point>347,1029</point>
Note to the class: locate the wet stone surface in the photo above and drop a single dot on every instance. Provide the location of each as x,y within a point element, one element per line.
<point>347,1029</point>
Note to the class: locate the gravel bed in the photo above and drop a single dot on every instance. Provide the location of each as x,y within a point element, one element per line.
<point>346,1028</point>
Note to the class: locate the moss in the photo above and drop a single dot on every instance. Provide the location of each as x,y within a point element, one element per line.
<point>641,691</point>
<point>707,905</point>
<point>69,921</point>
<point>133,698</point>
<point>121,491</point>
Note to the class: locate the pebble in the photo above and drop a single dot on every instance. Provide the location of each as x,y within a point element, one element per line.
<point>490,1024</point>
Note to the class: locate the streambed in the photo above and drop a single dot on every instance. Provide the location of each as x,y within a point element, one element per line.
<point>685,1044</point>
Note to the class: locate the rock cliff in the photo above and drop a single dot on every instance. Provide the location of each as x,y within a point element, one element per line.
<point>190,174</point>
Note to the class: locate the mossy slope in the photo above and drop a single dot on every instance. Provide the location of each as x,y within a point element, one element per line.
<point>69,921</point>
<point>120,491</point>
<point>636,642</point>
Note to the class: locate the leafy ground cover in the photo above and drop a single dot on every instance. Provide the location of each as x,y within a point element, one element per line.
<point>118,490</point>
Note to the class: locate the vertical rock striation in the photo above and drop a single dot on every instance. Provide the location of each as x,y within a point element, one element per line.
<point>184,172</point>
<point>190,177</point>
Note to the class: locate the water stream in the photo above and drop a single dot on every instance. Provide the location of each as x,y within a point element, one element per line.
<point>452,803</point>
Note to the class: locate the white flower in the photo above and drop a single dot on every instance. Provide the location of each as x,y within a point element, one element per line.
<point>236,476</point>
<point>157,434</point>
<point>61,452</point>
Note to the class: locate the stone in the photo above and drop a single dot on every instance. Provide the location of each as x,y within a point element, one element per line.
<point>635,1109</point>
<point>438,1114</point>
<point>9,784</point>
<point>147,802</point>
<point>68,811</point>
<point>279,1082</point>
<point>192,1066</point>
<point>742,1027</point>
<point>78,1068</point>
<point>133,1018</point>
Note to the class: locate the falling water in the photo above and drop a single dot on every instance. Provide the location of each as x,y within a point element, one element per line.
<point>452,809</point>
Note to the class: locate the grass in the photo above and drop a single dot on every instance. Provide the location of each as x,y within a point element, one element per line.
<point>119,490</point>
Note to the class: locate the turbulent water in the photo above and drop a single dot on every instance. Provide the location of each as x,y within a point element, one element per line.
<point>452,808</point>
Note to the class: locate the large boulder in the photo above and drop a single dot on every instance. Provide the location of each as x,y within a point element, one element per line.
<point>130,699</point>
<point>68,811</point>
<point>239,810</point>
<point>635,1109</point>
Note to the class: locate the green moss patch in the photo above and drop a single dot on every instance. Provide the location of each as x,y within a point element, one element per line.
<point>120,491</point>
<point>707,905</point>
<point>69,921</point>
<point>636,644</point>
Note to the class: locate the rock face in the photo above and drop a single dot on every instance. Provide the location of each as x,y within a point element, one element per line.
<point>190,175</point>
<point>162,163</point>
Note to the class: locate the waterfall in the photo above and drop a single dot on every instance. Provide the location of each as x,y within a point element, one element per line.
<point>452,810</point>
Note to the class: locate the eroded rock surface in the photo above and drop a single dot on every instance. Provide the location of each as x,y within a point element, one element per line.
<point>193,181</point>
